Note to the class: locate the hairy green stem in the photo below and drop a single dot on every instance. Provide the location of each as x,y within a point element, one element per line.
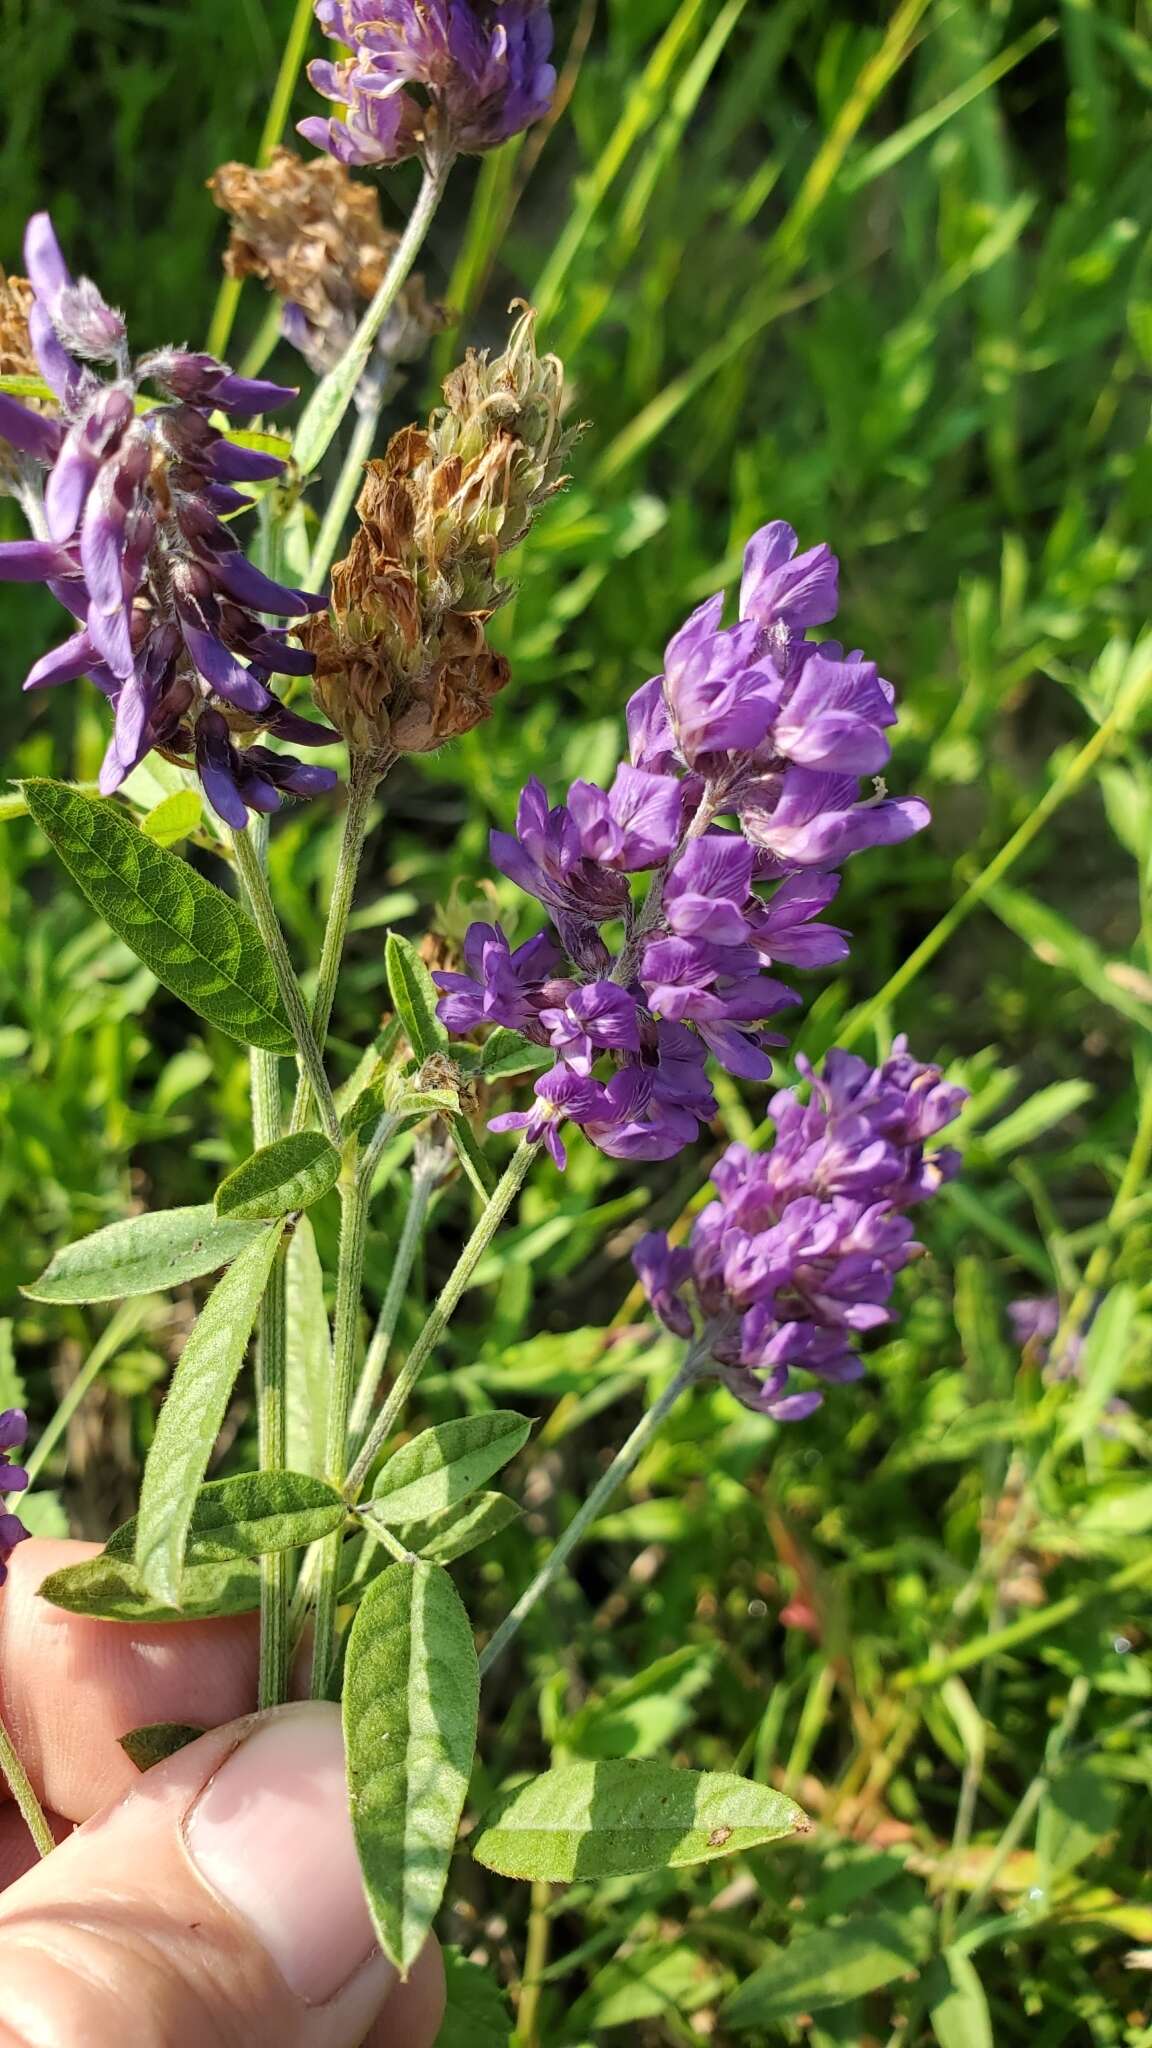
<point>333,395</point>
<point>499,1203</point>
<point>271,1370</point>
<point>423,1186</point>
<point>623,1465</point>
<point>20,1786</point>
<point>365,774</point>
<point>279,107</point>
<point>344,493</point>
<point>345,1348</point>
<point>263,910</point>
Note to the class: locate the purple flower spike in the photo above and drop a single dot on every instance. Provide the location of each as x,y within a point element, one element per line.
<point>742,790</point>
<point>785,1269</point>
<point>480,71</point>
<point>169,611</point>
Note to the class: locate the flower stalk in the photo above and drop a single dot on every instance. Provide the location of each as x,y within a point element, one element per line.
<point>366,773</point>
<point>263,910</point>
<point>501,1200</point>
<point>334,393</point>
<point>694,1366</point>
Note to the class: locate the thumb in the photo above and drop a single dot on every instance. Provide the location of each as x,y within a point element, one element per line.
<point>217,1905</point>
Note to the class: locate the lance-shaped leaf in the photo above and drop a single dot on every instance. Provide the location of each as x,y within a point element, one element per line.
<point>142,1255</point>
<point>195,939</point>
<point>190,1420</point>
<point>309,1353</point>
<point>444,1465</point>
<point>411,1700</point>
<point>619,1819</point>
<point>449,1535</point>
<point>174,817</point>
<point>255,1513</point>
<point>415,997</point>
<point>281,1178</point>
<point>109,1588</point>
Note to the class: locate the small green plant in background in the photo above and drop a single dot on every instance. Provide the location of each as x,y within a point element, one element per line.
<point>892,275</point>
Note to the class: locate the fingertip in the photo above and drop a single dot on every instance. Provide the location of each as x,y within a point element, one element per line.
<point>70,1686</point>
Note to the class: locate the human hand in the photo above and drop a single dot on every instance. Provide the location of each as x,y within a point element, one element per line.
<point>214,1902</point>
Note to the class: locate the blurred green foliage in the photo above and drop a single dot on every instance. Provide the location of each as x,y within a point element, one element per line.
<point>884,273</point>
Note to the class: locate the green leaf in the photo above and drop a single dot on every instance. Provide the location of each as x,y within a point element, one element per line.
<point>44,1515</point>
<point>444,1465</point>
<point>1041,1113</point>
<point>506,1054</point>
<point>654,1979</point>
<point>157,1741</point>
<point>195,939</point>
<point>824,1969</point>
<point>446,1536</point>
<point>254,1513</point>
<point>13,1393</point>
<point>109,1588</point>
<point>475,2013</point>
<point>958,2008</point>
<point>1103,1363</point>
<point>620,1819</point>
<point>309,1353</point>
<point>414,996</point>
<point>280,1179</point>
<point>411,1700</point>
<point>190,1420</point>
<point>174,817</point>
<point>143,1254</point>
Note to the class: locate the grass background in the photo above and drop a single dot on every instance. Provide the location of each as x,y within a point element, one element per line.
<point>885,274</point>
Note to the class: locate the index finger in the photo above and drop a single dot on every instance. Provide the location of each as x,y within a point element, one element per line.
<point>70,1687</point>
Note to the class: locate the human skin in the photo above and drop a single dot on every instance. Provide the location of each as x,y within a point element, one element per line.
<point>213,1902</point>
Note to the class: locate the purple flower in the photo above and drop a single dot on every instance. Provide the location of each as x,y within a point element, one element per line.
<point>560,1093</point>
<point>591,1020</point>
<point>13,1479</point>
<point>430,78</point>
<point>709,890</point>
<point>138,552</point>
<point>782,587</point>
<point>634,825</point>
<point>546,858</point>
<point>797,1256</point>
<point>808,819</point>
<point>501,986</point>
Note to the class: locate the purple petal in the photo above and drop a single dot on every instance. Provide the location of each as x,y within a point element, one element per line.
<point>249,585</point>
<point>31,432</point>
<point>44,263</point>
<point>74,657</point>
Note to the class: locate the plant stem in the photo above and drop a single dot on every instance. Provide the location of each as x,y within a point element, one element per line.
<point>347,485</point>
<point>499,1203</point>
<point>124,1324</point>
<point>333,395</point>
<point>20,1786</point>
<point>263,910</point>
<point>279,106</point>
<point>345,1344</point>
<point>623,1465</point>
<point>365,775</point>
<point>423,1186</point>
<point>271,1372</point>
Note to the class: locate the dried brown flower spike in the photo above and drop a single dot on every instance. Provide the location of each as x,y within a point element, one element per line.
<point>315,237</point>
<point>402,658</point>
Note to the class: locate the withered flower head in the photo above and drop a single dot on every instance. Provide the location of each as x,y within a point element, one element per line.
<point>17,359</point>
<point>315,237</point>
<point>402,658</point>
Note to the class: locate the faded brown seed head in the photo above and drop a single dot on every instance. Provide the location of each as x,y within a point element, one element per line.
<point>314,236</point>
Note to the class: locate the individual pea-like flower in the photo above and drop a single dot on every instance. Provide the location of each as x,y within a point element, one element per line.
<point>13,1479</point>
<point>796,1259</point>
<point>129,501</point>
<point>430,78</point>
<point>402,656</point>
<point>707,807</point>
<point>314,237</point>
